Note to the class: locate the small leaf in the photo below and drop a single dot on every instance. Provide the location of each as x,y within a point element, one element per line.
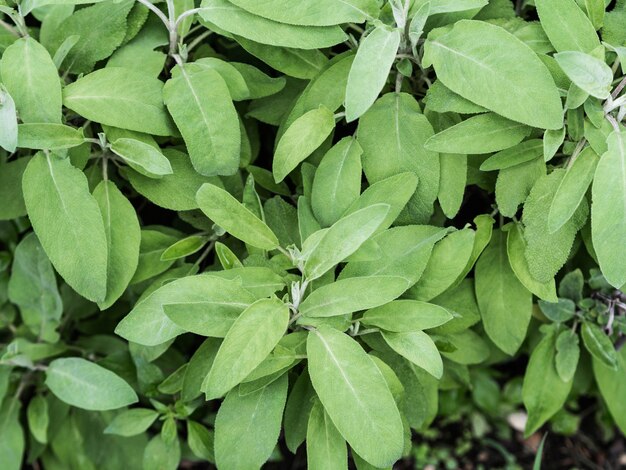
<point>234,217</point>
<point>403,316</point>
<point>132,422</point>
<point>418,348</point>
<point>300,140</point>
<point>8,121</point>
<point>185,247</point>
<point>599,345</point>
<point>567,354</point>
<point>587,72</point>
<point>48,136</point>
<point>560,311</point>
<point>89,386</point>
<point>38,418</point>
<point>142,157</point>
<point>364,81</point>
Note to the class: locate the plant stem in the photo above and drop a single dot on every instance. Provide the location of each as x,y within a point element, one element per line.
<point>156,11</point>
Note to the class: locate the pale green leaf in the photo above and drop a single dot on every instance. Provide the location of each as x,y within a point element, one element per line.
<point>403,316</point>
<point>567,26</point>
<point>418,348</point>
<point>142,157</point>
<point>588,73</point>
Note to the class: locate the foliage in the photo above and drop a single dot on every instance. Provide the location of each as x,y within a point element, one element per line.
<point>227,224</point>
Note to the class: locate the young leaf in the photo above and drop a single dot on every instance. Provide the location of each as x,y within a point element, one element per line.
<point>572,189</point>
<point>248,342</point>
<point>200,441</point>
<point>325,447</point>
<point>185,247</point>
<point>68,223</point>
<point>403,316</point>
<point>142,157</point>
<point>234,217</point>
<point>365,82</point>
<point>343,238</point>
<point>87,385</point>
<point>32,80</point>
<point>484,133</point>
<point>247,426</point>
<point>201,106</point>
<point>505,304</point>
<point>355,396</point>
<point>38,418</point>
<point>488,65</point>
<point>567,354</point>
<point>120,97</point>
<point>567,26</point>
<point>418,348</point>
<point>123,236</point>
<point>8,121</point>
<point>543,391</point>
<point>608,210</point>
<point>337,182</point>
<point>598,344</point>
<point>306,134</point>
<point>588,73</point>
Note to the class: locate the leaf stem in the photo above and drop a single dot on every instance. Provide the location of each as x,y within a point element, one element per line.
<point>9,28</point>
<point>156,11</point>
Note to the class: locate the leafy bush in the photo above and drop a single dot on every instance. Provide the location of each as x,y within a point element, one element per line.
<point>322,223</point>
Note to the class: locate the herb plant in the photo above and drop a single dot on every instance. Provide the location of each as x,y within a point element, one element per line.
<point>232,229</point>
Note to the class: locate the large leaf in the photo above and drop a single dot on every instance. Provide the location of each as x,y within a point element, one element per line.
<point>487,65</point>
<point>608,210</point>
<point>505,304</point>
<point>355,396</point>
<point>612,385</point>
<point>31,78</point>
<point>247,426</point>
<point>248,342</point>
<point>365,82</point>
<point>68,222</point>
<point>120,97</point>
<point>234,217</point>
<point>201,106</point>
<point>203,295</point>
<point>566,25</point>
<point>235,20</point>
<point>392,134</point>
<point>86,385</point>
<point>123,236</point>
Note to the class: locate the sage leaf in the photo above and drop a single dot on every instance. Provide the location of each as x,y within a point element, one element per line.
<point>418,348</point>
<point>567,26</point>
<point>142,157</point>
<point>612,385</point>
<point>132,422</point>
<point>8,121</point>
<point>48,136</point>
<point>324,444</point>
<point>355,396</point>
<point>87,385</point>
<point>567,355</point>
<point>598,344</point>
<point>403,316</point>
<point>588,73</point>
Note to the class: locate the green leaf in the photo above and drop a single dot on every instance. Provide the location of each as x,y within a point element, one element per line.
<point>86,385</point>
<point>33,288</point>
<point>612,384</point>
<point>561,310</point>
<point>325,447</point>
<point>58,202</point>
<point>392,134</point>
<point>48,136</point>
<point>201,106</point>
<point>521,153</point>
<point>567,354</point>
<point>552,141</point>
<point>198,368</point>
<point>364,81</point>
<point>404,316</point>
<point>572,189</point>
<point>123,236</point>
<point>8,121</point>
<point>352,294</point>
<point>337,182</point>
<point>516,249</point>
<point>185,247</point>
<point>342,239</point>
<point>31,79</point>
<point>247,426</point>
<point>248,342</point>
<point>469,348</point>
<point>132,422</point>
<point>505,304</point>
<point>234,217</point>
<point>208,299</point>
<point>355,396</point>
<point>418,348</point>
<point>441,99</point>
<point>312,13</point>
<point>142,157</point>
<point>484,133</point>
<point>514,184</point>
<point>487,65</point>
<point>38,418</point>
<point>11,435</point>
<point>161,455</point>
<point>200,441</point>
<point>240,22</point>
<point>588,73</point>
<point>598,344</point>
<point>546,253</point>
<point>608,210</point>
<point>543,391</point>
<point>567,26</point>
<point>302,137</point>
<point>120,97</point>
